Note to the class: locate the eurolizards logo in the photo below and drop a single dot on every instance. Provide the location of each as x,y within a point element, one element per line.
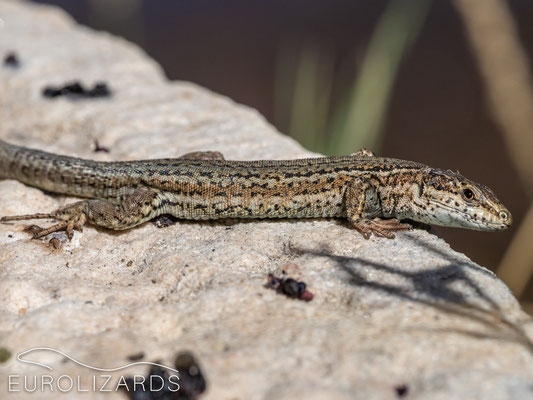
<point>160,378</point>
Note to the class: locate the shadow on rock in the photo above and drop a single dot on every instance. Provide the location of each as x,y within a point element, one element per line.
<point>451,289</point>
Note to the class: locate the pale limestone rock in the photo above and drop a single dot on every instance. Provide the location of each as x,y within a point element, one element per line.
<point>386,313</point>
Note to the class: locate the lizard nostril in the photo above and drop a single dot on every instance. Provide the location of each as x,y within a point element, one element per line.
<point>504,216</point>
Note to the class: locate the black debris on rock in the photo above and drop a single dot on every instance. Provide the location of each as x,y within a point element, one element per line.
<point>75,90</point>
<point>164,384</point>
<point>289,287</point>
<point>11,60</point>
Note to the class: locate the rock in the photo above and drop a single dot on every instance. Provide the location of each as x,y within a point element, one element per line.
<point>389,319</point>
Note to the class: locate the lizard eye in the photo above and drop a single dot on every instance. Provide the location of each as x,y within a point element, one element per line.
<point>468,194</point>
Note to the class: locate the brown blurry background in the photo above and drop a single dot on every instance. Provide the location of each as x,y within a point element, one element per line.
<point>413,79</point>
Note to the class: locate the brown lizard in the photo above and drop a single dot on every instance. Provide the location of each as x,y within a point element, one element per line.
<point>373,193</point>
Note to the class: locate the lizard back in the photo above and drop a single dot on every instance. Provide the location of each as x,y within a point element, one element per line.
<point>206,189</point>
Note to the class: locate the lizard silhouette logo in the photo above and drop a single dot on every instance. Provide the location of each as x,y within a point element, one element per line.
<point>86,365</point>
<point>98,382</point>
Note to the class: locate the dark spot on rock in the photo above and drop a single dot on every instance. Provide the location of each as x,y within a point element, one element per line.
<point>136,357</point>
<point>401,390</point>
<point>11,60</point>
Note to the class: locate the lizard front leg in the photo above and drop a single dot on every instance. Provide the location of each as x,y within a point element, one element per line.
<point>136,208</point>
<point>362,208</point>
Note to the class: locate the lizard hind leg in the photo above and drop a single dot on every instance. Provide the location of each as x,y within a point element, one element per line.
<point>136,208</point>
<point>202,155</point>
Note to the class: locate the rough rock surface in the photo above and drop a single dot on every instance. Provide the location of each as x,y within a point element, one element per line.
<point>390,318</point>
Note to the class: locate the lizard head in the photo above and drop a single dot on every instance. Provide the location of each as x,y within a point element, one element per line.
<point>450,199</point>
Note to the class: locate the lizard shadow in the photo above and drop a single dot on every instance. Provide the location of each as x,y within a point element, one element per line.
<point>436,287</point>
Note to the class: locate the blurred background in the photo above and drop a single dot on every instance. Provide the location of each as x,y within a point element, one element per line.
<point>445,83</point>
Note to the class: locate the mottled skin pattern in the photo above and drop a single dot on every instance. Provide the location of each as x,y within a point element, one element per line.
<point>373,193</point>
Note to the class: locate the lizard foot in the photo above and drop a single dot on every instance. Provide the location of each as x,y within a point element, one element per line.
<point>71,217</point>
<point>380,227</point>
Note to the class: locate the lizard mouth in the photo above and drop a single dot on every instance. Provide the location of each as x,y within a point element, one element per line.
<point>482,221</point>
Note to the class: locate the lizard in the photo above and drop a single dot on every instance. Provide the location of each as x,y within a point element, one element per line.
<point>375,194</point>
